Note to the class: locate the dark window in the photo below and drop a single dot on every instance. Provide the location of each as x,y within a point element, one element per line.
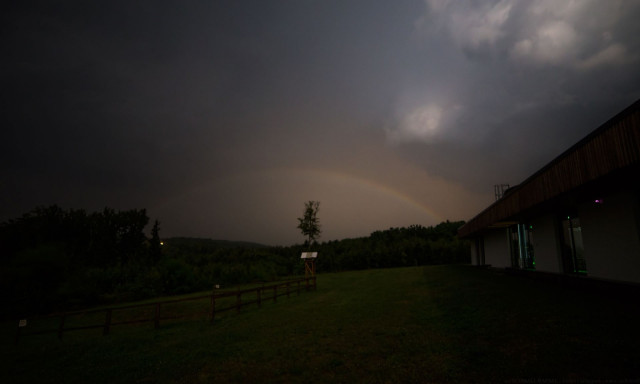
<point>521,245</point>
<point>572,248</point>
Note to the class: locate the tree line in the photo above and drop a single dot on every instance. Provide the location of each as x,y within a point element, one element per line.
<point>56,259</point>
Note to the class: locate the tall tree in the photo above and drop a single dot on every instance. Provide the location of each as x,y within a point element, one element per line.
<point>309,224</point>
<point>155,252</point>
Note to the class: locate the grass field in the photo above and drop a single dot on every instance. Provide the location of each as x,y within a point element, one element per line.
<point>431,324</point>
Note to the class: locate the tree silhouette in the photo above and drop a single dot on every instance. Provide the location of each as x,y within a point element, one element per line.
<point>309,224</point>
<point>155,252</point>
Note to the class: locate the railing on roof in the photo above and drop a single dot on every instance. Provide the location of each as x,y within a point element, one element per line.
<point>614,145</point>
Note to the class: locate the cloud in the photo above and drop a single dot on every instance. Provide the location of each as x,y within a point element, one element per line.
<point>580,35</point>
<point>510,84</point>
<point>426,123</point>
<point>552,43</point>
<point>481,26</point>
<point>471,25</point>
<point>421,124</point>
<point>612,55</point>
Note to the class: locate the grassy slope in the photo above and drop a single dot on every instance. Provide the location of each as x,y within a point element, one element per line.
<point>433,324</point>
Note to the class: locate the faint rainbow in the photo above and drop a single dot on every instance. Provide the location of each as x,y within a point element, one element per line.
<point>318,175</point>
<point>367,183</point>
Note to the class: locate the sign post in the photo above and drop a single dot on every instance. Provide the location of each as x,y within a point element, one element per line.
<point>309,263</point>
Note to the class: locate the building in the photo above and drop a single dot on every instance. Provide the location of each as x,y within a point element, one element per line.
<point>579,215</point>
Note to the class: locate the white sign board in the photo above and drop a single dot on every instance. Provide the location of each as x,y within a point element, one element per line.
<point>309,255</point>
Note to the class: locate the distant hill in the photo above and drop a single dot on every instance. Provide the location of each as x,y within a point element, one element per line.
<point>209,244</point>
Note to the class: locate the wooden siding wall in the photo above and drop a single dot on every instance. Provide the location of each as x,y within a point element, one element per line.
<point>615,145</point>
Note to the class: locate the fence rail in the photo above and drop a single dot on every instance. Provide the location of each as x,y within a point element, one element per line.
<point>157,311</point>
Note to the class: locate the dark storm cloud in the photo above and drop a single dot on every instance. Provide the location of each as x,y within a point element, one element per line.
<point>223,117</point>
<point>111,94</point>
<point>515,83</point>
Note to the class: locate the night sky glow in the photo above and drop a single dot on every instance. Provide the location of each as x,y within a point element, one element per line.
<point>222,118</point>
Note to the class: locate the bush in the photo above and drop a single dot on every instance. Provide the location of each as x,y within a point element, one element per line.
<point>177,277</point>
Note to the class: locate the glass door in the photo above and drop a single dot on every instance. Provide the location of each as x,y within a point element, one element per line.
<point>573,260</point>
<point>521,245</point>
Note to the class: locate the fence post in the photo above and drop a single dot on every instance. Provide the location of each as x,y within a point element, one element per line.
<point>287,289</point>
<point>107,323</point>
<point>156,322</point>
<point>275,293</point>
<point>61,327</point>
<point>315,285</point>
<point>298,287</point>
<point>213,307</point>
<point>238,301</point>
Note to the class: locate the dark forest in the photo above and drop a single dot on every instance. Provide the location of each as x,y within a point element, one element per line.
<point>55,259</point>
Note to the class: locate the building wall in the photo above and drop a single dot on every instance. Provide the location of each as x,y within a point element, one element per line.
<point>546,246</point>
<point>611,236</point>
<point>610,233</point>
<point>496,248</point>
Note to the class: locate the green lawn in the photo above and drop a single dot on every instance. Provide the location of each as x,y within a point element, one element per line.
<point>431,324</point>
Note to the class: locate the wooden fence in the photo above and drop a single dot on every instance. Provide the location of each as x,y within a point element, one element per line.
<point>156,312</point>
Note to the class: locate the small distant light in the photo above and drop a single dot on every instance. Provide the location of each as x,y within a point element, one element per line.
<point>161,243</point>
<point>597,201</point>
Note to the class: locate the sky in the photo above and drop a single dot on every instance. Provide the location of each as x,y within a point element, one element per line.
<point>222,118</point>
